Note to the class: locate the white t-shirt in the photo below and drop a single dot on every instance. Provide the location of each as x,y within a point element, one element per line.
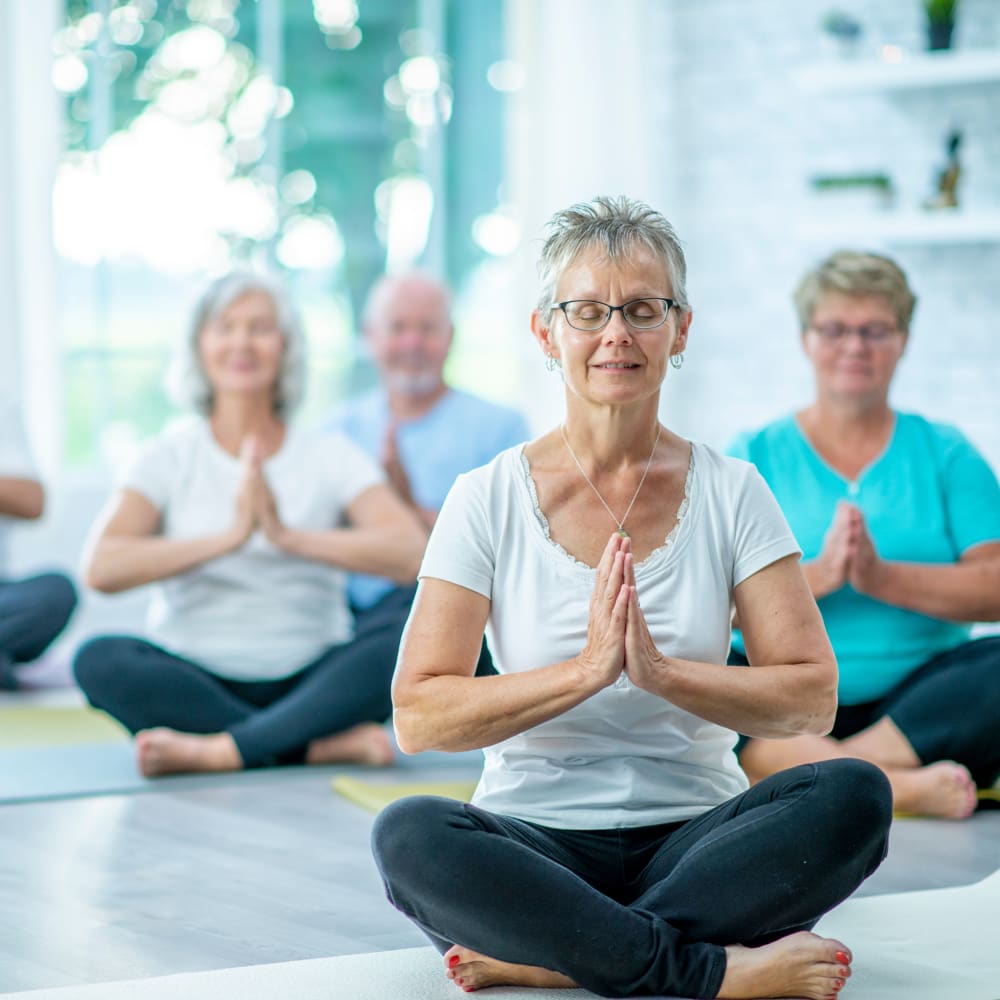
<point>624,757</point>
<point>15,461</point>
<point>257,613</point>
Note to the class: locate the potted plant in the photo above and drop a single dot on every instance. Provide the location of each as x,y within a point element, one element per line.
<point>940,22</point>
<point>844,30</point>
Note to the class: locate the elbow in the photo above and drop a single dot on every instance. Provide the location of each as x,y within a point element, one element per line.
<point>100,581</point>
<point>33,503</point>
<point>822,708</point>
<point>408,737</point>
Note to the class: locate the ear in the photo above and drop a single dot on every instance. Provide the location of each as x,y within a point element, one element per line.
<point>543,334</point>
<point>683,326</point>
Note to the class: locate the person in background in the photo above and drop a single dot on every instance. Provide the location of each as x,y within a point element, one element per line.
<point>33,610</point>
<point>899,522</point>
<point>422,431</point>
<point>247,526</point>
<point>612,842</point>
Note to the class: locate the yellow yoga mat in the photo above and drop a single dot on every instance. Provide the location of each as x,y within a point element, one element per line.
<point>42,726</point>
<point>376,795</point>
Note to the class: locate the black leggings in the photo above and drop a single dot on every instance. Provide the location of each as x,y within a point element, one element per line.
<point>33,612</point>
<point>645,911</point>
<point>948,709</point>
<point>272,722</point>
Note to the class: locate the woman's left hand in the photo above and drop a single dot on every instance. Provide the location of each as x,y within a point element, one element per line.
<point>264,504</point>
<point>864,565</point>
<point>645,665</point>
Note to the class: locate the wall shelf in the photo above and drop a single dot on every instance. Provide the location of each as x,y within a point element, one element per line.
<point>902,71</point>
<point>941,227</point>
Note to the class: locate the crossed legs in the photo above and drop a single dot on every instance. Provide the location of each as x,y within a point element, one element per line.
<point>718,906</point>
<point>934,735</point>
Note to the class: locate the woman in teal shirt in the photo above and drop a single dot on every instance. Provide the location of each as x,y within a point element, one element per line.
<point>899,523</point>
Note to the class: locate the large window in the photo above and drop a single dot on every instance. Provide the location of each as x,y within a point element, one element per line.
<point>320,138</point>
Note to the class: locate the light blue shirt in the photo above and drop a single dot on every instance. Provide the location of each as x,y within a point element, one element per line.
<point>459,433</point>
<point>927,498</point>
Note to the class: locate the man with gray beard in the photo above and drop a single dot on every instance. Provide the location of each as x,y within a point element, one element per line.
<point>424,432</point>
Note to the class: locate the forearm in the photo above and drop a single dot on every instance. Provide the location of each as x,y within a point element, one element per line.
<point>119,563</point>
<point>961,592</point>
<point>453,713</point>
<point>392,552</point>
<point>22,498</point>
<point>773,701</point>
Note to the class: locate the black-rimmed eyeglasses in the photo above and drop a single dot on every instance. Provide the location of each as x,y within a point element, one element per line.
<point>590,316</point>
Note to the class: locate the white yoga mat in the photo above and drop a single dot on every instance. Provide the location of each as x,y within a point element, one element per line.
<point>941,944</point>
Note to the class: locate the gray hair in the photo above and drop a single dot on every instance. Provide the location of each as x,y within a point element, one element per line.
<point>186,381</point>
<point>618,226</point>
<point>852,272</point>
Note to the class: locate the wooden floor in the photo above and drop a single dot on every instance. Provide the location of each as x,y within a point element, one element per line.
<point>264,867</point>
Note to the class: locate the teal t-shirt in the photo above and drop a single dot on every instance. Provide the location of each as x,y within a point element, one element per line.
<point>926,499</point>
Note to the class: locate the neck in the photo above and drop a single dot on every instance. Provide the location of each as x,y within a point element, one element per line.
<point>406,406</point>
<point>612,437</point>
<point>848,418</point>
<point>235,418</point>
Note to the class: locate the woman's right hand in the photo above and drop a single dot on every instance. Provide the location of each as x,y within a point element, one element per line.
<point>603,658</point>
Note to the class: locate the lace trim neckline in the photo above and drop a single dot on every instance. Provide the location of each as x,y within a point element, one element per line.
<point>543,521</point>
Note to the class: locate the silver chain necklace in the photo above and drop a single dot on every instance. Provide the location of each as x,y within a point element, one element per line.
<point>597,492</point>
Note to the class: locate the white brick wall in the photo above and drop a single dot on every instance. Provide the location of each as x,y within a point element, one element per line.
<point>743,140</point>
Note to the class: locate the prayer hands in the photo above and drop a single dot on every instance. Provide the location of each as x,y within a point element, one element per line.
<point>848,554</point>
<point>256,506</point>
<point>618,638</point>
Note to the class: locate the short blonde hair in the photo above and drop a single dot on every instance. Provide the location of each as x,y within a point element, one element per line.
<point>618,226</point>
<point>852,272</point>
<point>186,382</point>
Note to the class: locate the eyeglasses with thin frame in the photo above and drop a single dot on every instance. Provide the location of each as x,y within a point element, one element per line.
<point>591,316</point>
<point>870,333</point>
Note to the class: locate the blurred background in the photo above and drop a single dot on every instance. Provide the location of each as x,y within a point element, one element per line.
<point>148,145</point>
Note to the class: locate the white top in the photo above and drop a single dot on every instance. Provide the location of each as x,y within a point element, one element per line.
<point>15,460</point>
<point>623,757</point>
<point>257,613</point>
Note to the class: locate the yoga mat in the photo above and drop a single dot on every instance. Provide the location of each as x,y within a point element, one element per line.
<point>49,725</point>
<point>375,795</point>
<point>940,944</point>
<point>57,772</point>
<point>74,770</point>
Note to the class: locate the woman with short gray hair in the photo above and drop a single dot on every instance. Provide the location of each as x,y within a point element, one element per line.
<point>612,842</point>
<point>246,526</point>
<point>899,520</point>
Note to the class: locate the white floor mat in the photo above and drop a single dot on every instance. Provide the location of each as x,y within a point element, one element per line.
<point>941,944</point>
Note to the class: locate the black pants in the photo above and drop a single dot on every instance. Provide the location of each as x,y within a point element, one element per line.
<point>32,613</point>
<point>272,722</point>
<point>948,709</point>
<point>638,912</point>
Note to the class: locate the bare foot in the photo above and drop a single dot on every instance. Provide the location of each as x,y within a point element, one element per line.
<point>800,965</point>
<point>472,971</point>
<point>943,789</point>
<point>167,751</point>
<point>367,743</point>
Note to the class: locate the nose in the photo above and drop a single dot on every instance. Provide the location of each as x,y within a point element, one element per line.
<point>617,331</point>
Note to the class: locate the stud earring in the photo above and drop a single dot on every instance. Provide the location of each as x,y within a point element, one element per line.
<point>676,360</point>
